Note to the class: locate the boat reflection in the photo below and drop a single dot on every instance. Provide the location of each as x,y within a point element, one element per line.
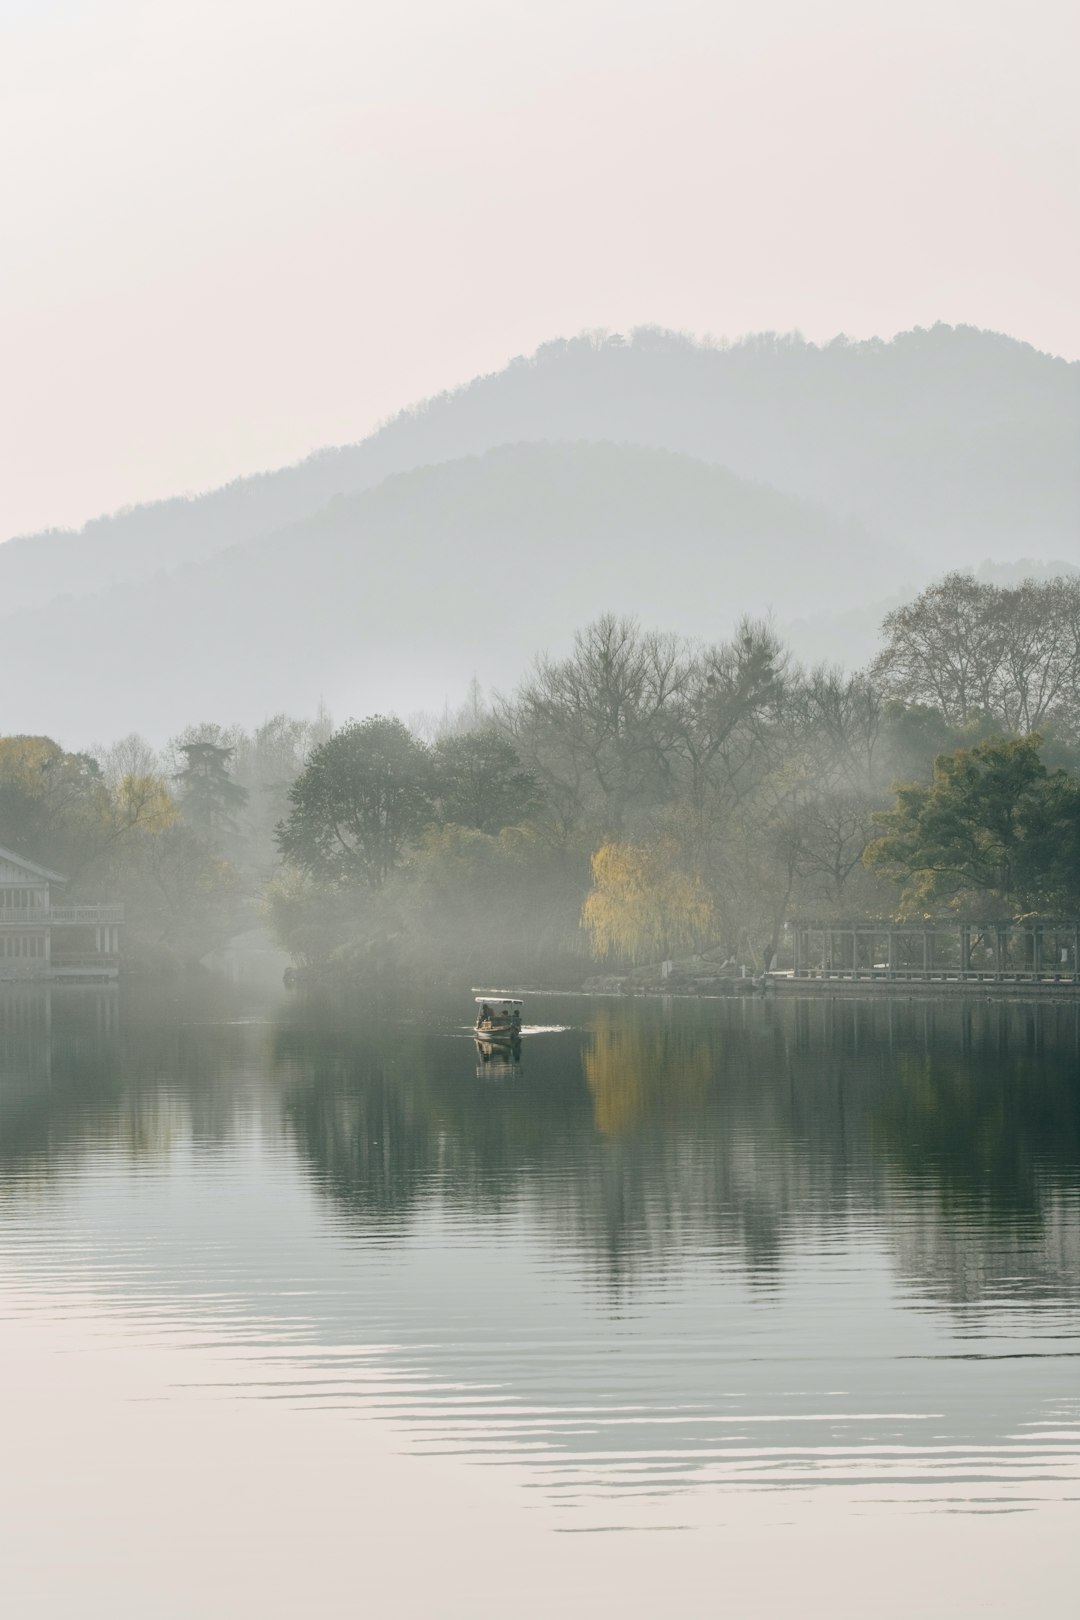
<point>497,1059</point>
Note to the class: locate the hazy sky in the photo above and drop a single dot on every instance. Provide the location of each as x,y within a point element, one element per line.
<point>234,230</point>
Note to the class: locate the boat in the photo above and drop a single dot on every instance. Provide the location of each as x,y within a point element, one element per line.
<point>498,1019</point>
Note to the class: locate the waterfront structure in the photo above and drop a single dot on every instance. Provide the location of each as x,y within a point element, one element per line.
<point>942,950</point>
<point>41,938</point>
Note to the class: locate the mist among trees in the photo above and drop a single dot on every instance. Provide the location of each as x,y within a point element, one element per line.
<point>642,797</point>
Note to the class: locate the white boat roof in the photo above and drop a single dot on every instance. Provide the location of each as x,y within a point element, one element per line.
<point>501,1001</point>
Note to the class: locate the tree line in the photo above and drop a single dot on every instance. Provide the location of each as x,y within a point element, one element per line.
<point>639,798</point>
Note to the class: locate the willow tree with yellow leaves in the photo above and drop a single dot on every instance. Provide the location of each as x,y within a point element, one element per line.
<point>645,905</point>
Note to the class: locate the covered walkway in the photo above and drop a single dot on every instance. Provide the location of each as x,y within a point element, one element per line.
<point>1043,952</point>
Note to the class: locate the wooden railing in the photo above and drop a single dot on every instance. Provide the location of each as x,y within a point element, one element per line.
<point>938,949</point>
<point>82,959</point>
<point>51,916</point>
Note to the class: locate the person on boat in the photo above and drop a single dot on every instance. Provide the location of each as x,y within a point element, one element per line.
<point>485,1017</point>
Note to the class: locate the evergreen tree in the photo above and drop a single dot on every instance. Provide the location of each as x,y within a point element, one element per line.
<point>209,798</point>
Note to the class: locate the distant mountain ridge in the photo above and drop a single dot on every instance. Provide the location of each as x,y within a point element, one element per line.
<point>961,444</point>
<point>395,597</point>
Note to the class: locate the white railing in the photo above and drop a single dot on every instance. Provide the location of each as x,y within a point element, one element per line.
<point>48,916</point>
<point>86,914</point>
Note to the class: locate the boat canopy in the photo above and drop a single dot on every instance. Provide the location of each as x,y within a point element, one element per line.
<point>498,1001</point>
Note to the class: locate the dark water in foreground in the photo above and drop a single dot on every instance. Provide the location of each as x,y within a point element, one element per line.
<point>681,1249</point>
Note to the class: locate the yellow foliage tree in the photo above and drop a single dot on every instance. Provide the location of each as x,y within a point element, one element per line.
<point>62,810</point>
<point>51,802</point>
<point>25,760</point>
<point>143,800</point>
<point>644,904</point>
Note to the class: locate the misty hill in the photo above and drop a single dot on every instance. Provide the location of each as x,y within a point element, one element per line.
<point>962,444</point>
<point>396,597</point>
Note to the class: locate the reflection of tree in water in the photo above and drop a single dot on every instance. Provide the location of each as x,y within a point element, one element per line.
<point>985,1145</point>
<point>650,1153</point>
<point>725,1127</point>
<point>359,1124</point>
<point>649,1138</point>
<point>623,1060</point>
<point>85,1069</point>
<point>687,1157</point>
<point>390,1113</point>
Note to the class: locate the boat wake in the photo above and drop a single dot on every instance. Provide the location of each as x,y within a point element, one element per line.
<point>526,1029</point>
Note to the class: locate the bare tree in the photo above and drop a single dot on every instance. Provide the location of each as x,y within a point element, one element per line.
<point>728,714</point>
<point>971,649</point>
<point>944,648</point>
<point>1040,654</point>
<point>599,728</point>
<point>842,721</point>
<point>131,757</point>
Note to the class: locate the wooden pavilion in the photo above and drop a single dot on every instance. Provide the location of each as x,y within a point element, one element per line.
<point>41,939</point>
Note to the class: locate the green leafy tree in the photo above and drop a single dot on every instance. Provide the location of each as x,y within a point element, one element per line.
<point>364,795</point>
<point>994,821</point>
<point>481,782</point>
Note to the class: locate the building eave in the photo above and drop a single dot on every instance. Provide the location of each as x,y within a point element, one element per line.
<point>31,866</point>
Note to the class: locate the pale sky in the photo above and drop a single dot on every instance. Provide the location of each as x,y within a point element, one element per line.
<point>232,231</point>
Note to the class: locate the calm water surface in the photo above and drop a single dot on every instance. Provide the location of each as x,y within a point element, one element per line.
<point>682,1258</point>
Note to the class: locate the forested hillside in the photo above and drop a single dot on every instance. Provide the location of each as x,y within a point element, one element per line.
<point>397,597</point>
<point>958,443</point>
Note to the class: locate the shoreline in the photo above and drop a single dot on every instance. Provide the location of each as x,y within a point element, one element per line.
<point>846,989</point>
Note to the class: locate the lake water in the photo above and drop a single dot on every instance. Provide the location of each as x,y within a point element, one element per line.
<point>704,1308</point>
